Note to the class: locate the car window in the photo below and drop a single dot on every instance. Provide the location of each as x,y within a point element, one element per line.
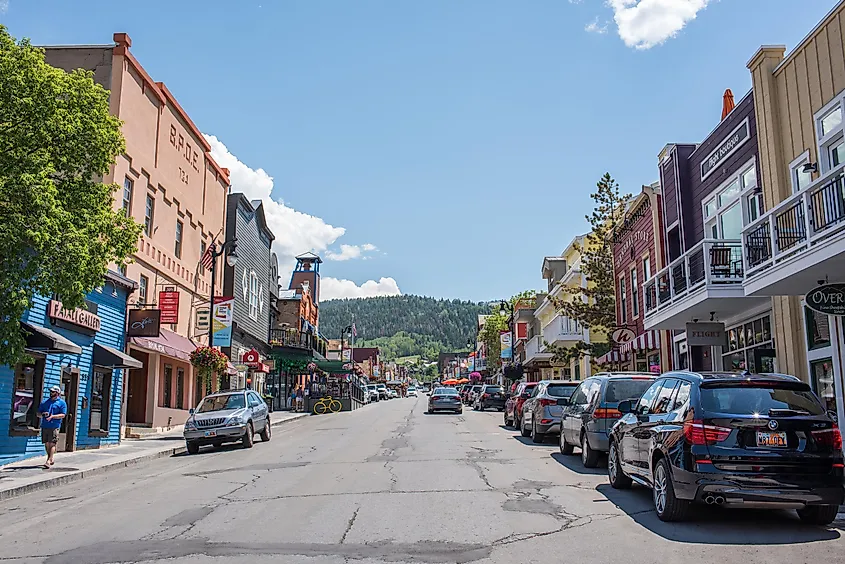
<point>493,389</point>
<point>561,390</point>
<point>759,399</point>
<point>220,403</point>
<point>579,396</point>
<point>535,391</point>
<point>593,391</point>
<point>663,401</point>
<point>621,390</point>
<point>644,405</point>
<point>681,396</point>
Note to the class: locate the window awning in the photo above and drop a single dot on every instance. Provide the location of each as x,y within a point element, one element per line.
<point>43,340</point>
<point>647,341</point>
<point>108,357</point>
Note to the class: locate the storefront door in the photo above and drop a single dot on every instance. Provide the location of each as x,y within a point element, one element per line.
<point>70,389</point>
<point>136,405</point>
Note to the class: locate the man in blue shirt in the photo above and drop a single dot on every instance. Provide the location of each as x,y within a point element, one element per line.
<point>52,410</point>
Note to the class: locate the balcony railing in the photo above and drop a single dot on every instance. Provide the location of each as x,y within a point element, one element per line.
<point>562,328</point>
<point>712,262</point>
<point>534,348</point>
<point>294,338</point>
<point>806,218</point>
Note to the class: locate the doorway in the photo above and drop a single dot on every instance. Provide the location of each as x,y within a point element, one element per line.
<point>136,403</point>
<point>70,391</point>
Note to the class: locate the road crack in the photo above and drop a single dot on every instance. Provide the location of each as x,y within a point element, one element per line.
<point>350,524</point>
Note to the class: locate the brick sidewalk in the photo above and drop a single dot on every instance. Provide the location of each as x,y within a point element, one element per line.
<point>29,475</point>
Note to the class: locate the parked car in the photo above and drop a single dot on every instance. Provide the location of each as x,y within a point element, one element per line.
<point>541,412</point>
<point>513,407</point>
<point>227,417</point>
<point>445,399</point>
<point>473,391</point>
<point>372,392</point>
<point>732,440</point>
<point>490,396</point>
<point>412,391</point>
<point>383,392</point>
<point>393,393</point>
<point>591,412</point>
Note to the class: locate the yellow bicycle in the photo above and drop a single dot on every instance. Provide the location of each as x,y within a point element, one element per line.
<point>327,404</point>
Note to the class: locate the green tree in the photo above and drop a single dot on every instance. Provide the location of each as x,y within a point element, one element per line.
<point>58,231</point>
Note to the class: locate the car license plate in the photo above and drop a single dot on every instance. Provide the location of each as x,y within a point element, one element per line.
<point>211,433</point>
<point>771,439</point>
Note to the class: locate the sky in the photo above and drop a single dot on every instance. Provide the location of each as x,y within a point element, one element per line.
<point>434,147</point>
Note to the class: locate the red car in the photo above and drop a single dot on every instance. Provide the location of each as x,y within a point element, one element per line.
<point>513,407</point>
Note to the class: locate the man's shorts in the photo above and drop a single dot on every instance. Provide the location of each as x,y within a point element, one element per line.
<point>49,435</point>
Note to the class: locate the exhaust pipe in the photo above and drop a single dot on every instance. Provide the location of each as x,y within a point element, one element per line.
<point>719,500</point>
<point>710,499</point>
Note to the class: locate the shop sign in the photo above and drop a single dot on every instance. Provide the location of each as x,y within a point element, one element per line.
<point>144,323</point>
<point>622,335</point>
<point>85,318</point>
<point>706,335</point>
<point>828,299</point>
<point>203,320</point>
<point>725,149</point>
<point>168,301</point>
<point>221,321</point>
<point>251,358</point>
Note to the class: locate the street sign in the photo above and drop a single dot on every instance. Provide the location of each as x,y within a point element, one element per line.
<point>622,335</point>
<point>706,334</point>
<point>203,320</point>
<point>168,301</point>
<point>828,299</point>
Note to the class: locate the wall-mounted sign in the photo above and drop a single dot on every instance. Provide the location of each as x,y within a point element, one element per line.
<point>505,341</point>
<point>203,320</point>
<point>221,321</point>
<point>726,148</point>
<point>251,358</point>
<point>144,323</point>
<point>622,335</point>
<point>84,318</point>
<point>828,299</point>
<point>168,302</point>
<point>706,335</point>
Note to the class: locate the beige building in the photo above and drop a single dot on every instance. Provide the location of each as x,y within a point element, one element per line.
<point>171,185</point>
<point>799,242</point>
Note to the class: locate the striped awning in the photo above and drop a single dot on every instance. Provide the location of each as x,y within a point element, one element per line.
<point>650,340</point>
<point>612,356</point>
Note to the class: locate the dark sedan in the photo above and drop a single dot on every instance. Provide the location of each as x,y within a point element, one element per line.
<point>445,399</point>
<point>734,440</point>
<point>490,396</point>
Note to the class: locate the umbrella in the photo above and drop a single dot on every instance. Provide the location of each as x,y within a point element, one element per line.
<point>463,381</point>
<point>450,382</point>
<point>727,103</point>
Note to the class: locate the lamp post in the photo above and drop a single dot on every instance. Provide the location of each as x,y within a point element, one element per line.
<point>346,331</point>
<point>229,248</point>
<point>505,308</point>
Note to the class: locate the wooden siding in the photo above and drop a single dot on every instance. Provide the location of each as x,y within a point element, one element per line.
<point>640,238</point>
<point>668,184</point>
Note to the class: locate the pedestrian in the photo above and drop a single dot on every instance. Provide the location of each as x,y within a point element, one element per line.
<point>292,399</point>
<point>299,402</point>
<point>52,410</point>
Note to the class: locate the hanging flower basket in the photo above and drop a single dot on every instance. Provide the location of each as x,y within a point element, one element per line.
<point>208,360</point>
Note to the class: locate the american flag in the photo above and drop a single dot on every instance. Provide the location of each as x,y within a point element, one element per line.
<point>354,331</point>
<point>208,258</point>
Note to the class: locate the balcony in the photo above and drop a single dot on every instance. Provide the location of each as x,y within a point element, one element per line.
<point>563,331</point>
<point>705,280</point>
<point>534,351</point>
<point>295,339</point>
<point>798,242</point>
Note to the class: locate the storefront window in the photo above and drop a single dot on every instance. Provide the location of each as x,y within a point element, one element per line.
<point>180,388</point>
<point>822,373</point>
<point>168,383</point>
<point>750,347</point>
<point>29,381</point>
<point>818,330</point>
<point>100,400</point>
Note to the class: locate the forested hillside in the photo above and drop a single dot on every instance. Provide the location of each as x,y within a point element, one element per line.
<point>427,324</point>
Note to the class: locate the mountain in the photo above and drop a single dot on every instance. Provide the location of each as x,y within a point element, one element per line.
<point>404,325</point>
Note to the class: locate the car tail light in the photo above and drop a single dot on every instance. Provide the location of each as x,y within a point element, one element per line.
<point>548,402</point>
<point>607,413</point>
<point>546,421</point>
<point>435,397</point>
<point>697,433</point>
<point>829,437</point>
<point>484,396</point>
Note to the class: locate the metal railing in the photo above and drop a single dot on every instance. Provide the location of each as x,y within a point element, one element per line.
<point>712,262</point>
<point>562,328</point>
<point>809,216</point>
<point>293,338</point>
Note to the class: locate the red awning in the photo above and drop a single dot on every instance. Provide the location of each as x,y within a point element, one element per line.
<point>167,343</point>
<point>230,368</point>
<point>650,340</point>
<point>612,356</point>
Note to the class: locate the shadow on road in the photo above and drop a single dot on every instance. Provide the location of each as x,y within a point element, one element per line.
<point>573,463</point>
<point>707,525</point>
<point>527,441</point>
<point>210,449</point>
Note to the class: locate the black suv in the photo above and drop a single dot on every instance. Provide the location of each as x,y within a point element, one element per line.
<point>738,440</point>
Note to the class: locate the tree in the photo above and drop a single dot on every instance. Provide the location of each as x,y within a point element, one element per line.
<point>58,231</point>
<point>594,304</point>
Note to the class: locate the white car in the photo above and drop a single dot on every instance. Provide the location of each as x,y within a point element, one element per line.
<point>412,392</point>
<point>393,393</point>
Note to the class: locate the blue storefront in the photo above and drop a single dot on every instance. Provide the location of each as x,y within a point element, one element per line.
<point>80,350</point>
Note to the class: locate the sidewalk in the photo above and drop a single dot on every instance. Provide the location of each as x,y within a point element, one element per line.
<point>28,475</point>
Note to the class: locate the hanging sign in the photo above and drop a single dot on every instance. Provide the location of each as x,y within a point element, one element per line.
<point>706,335</point>
<point>221,321</point>
<point>168,301</point>
<point>505,341</point>
<point>203,321</point>
<point>251,358</point>
<point>144,323</point>
<point>828,299</point>
<point>622,335</point>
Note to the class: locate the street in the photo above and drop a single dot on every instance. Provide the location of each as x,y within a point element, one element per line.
<point>386,483</point>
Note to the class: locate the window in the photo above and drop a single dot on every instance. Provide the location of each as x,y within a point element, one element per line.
<point>621,390</point>
<point>750,347</point>
<point>168,384</point>
<point>143,282</point>
<point>253,295</point>
<point>799,178</point>
<point>122,269</point>
<point>100,400</point>
<point>29,384</point>
<point>178,249</point>
<point>829,135</point>
<point>646,269</point>
<point>180,388</point>
<point>663,403</point>
<point>759,399</point>
<point>127,196</point>
<point>202,255</point>
<point>199,392</point>
<point>821,371</point>
<point>149,210</point>
<point>623,301</point>
<point>635,297</point>
<point>560,390</point>
<point>734,204</point>
<point>818,329</point>
<point>579,396</point>
<point>644,405</point>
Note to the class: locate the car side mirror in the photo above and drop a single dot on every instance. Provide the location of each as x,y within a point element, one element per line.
<point>525,396</point>
<point>191,411</point>
<point>625,407</point>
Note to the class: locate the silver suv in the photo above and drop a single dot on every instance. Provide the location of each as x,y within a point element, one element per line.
<point>227,417</point>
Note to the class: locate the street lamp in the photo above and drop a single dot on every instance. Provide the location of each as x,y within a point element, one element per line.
<point>346,331</point>
<point>506,309</point>
<point>230,249</point>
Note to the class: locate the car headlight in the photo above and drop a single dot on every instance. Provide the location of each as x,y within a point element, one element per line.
<point>236,420</point>
<point>190,425</point>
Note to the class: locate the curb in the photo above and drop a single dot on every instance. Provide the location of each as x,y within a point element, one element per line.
<point>23,489</point>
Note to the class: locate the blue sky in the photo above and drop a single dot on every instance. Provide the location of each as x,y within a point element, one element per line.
<point>435,147</point>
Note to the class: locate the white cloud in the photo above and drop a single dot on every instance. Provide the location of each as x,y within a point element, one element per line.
<point>594,27</point>
<point>296,232</point>
<point>334,289</point>
<point>643,24</point>
<point>4,5</point>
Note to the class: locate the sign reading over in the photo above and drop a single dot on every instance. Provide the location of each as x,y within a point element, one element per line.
<point>828,299</point>
<point>144,323</point>
<point>168,301</point>
<point>706,335</point>
<point>79,317</point>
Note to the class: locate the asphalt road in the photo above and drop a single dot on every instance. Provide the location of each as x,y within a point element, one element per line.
<point>385,484</point>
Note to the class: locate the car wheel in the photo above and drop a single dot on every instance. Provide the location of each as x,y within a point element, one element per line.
<point>818,514</point>
<point>667,506</point>
<point>523,431</point>
<point>536,436</point>
<point>565,447</point>
<point>193,448</point>
<point>589,457</point>
<point>618,479</point>
<point>248,440</point>
<point>265,433</point>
